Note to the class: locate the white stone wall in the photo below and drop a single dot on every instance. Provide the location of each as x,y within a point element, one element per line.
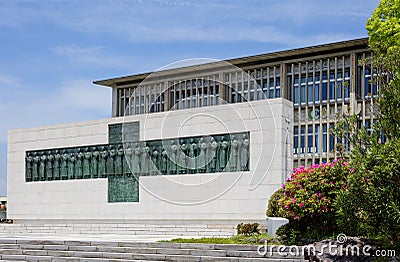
<point>238,196</point>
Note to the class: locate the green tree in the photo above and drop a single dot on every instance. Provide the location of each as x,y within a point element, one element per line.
<point>384,39</point>
<point>370,204</point>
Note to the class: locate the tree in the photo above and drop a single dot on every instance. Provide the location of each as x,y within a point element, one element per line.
<point>370,204</point>
<point>384,39</point>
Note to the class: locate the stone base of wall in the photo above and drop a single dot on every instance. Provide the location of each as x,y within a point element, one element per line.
<point>192,228</point>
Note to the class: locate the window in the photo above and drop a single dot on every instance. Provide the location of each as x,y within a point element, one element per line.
<point>259,90</point>
<point>339,85</point>
<point>296,140</point>
<point>271,88</point>
<point>217,95</point>
<point>302,139</point>
<point>316,141</point>
<point>331,138</point>
<point>310,90</point>
<point>205,93</point>
<point>278,87</point>
<point>162,102</point>
<point>332,87</point>
<point>239,93</point>
<point>233,93</point>
<point>368,85</point>
<point>324,138</point>
<point>324,91</point>
<point>346,84</point>
<point>303,90</point>
<point>183,99</point>
<point>142,104</point>
<point>296,91</point>
<point>252,90</point>
<point>310,139</point>
<point>316,89</point>
<point>245,92</point>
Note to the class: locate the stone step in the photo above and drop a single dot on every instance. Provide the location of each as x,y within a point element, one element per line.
<point>120,252</point>
<point>59,250</point>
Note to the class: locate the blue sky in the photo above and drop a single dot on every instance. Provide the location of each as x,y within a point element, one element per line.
<point>51,51</point>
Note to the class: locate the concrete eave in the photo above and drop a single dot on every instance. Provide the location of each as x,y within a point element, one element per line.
<point>241,62</point>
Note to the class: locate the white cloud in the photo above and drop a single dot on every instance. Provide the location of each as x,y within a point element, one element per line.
<point>97,56</point>
<point>76,50</point>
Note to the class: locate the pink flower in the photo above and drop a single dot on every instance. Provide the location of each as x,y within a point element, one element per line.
<point>283,186</point>
<point>297,217</point>
<point>301,204</point>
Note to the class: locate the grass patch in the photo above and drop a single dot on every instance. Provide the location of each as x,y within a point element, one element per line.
<point>239,239</point>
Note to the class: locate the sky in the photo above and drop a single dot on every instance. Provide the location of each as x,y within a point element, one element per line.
<point>52,51</point>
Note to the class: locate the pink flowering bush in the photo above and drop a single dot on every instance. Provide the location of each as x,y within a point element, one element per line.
<point>308,197</point>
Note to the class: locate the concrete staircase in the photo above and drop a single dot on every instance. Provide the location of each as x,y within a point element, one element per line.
<point>178,228</point>
<point>14,249</point>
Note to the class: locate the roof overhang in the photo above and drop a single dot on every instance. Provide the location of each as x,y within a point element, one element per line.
<point>241,62</point>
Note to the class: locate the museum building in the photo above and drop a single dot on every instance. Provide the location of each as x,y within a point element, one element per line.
<point>201,146</point>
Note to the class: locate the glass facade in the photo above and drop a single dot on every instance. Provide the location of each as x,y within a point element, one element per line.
<point>320,85</point>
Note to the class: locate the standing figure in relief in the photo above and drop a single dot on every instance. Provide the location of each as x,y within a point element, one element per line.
<point>35,167</point>
<point>95,163</point>
<point>173,151</point>
<point>103,163</point>
<point>110,161</point>
<point>211,156</point>
<point>87,156</point>
<point>182,158</point>
<point>78,164</point>
<point>222,152</point>
<point>239,161</point>
<point>42,167</point>
<point>164,162</point>
<point>191,162</point>
<point>49,166</point>
<point>118,160</point>
<point>56,165</point>
<point>144,157</point>
<point>202,158</point>
<point>127,160</point>
<point>71,166</point>
<point>135,166</point>
<point>244,153</point>
<point>155,157</point>
<point>64,165</point>
<point>233,159</point>
<point>28,167</point>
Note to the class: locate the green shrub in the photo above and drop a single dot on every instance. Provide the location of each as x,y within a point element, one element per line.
<point>370,205</point>
<point>247,229</point>
<point>308,199</point>
<point>273,204</point>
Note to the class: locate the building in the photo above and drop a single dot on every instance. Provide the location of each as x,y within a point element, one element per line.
<point>321,81</point>
<point>201,146</point>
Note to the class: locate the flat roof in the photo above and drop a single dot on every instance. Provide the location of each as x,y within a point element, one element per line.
<point>290,54</point>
